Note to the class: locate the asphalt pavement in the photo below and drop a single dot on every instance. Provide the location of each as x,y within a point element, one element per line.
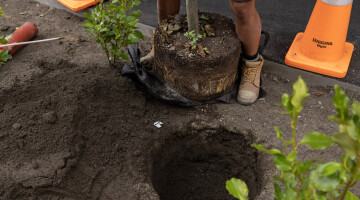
<point>283,19</point>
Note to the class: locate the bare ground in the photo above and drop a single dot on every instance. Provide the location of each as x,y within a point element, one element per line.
<point>71,127</point>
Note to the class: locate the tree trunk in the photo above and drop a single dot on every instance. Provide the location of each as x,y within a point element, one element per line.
<point>192,15</point>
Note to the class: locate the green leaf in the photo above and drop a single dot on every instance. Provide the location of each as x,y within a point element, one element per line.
<point>104,30</point>
<point>136,13</point>
<point>290,192</point>
<point>1,11</point>
<point>204,17</point>
<point>353,130</point>
<point>5,56</point>
<point>345,142</point>
<point>327,183</point>
<point>278,192</point>
<point>88,24</point>
<point>121,55</point>
<point>330,168</point>
<point>287,104</point>
<point>317,140</point>
<point>355,108</point>
<point>132,38</point>
<point>136,2</point>
<point>341,103</point>
<point>139,34</point>
<point>340,99</point>
<point>279,134</point>
<point>290,179</point>
<point>282,163</point>
<point>24,13</point>
<point>262,148</point>
<point>237,188</point>
<point>300,94</point>
<point>134,22</point>
<point>357,177</point>
<point>3,40</point>
<point>97,27</point>
<point>88,31</point>
<point>277,178</point>
<point>129,19</point>
<point>305,166</point>
<point>350,196</point>
<point>285,100</point>
<point>292,156</point>
<point>88,15</point>
<point>319,195</point>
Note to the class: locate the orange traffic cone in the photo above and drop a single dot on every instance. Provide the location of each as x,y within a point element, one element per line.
<point>323,48</point>
<point>77,5</point>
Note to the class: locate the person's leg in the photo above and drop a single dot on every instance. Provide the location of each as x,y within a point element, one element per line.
<point>248,24</point>
<point>164,9</point>
<point>248,28</point>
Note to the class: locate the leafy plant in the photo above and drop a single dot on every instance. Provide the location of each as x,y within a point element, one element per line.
<point>312,179</point>
<point>194,38</point>
<point>113,26</point>
<point>4,55</point>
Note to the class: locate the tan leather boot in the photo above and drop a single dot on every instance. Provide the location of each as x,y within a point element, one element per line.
<point>148,60</point>
<point>250,82</point>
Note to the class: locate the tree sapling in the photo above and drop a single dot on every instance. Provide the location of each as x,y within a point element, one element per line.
<point>113,26</point>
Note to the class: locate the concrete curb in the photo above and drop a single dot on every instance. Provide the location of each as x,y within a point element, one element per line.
<point>310,78</point>
<point>281,70</point>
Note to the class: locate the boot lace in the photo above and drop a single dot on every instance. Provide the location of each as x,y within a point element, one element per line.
<point>250,74</point>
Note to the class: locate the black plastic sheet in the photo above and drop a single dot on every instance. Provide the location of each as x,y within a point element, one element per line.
<point>161,91</point>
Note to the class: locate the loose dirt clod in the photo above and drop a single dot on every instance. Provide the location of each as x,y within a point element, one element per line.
<point>50,117</point>
<point>16,126</point>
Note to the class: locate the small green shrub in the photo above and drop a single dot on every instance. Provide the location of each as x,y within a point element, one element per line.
<point>113,26</point>
<point>194,38</point>
<point>4,55</point>
<point>311,179</point>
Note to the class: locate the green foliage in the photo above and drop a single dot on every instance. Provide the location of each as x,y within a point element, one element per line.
<point>113,26</point>
<point>194,38</point>
<point>313,179</point>
<point>237,188</point>
<point>4,55</point>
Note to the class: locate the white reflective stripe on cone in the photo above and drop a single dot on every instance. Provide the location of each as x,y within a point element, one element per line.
<point>338,2</point>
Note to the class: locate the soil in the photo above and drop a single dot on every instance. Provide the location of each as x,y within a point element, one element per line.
<point>203,73</point>
<point>71,127</point>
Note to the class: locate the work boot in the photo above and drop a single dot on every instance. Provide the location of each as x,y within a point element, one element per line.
<point>250,82</point>
<point>148,60</point>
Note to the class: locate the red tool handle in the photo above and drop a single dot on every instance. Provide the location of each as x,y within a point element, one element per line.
<point>25,33</point>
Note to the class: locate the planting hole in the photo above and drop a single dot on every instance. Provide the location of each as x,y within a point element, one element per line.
<point>197,165</point>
